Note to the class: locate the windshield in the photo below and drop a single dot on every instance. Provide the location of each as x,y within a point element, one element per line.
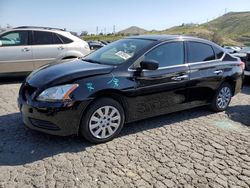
<point>117,52</point>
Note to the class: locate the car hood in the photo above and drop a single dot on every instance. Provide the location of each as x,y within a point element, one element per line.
<point>50,75</point>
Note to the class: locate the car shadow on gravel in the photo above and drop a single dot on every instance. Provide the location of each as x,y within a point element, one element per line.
<point>239,113</point>
<point>246,90</point>
<point>19,145</point>
<point>164,120</point>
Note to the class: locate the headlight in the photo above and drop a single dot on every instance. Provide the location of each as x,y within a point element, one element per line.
<point>58,93</point>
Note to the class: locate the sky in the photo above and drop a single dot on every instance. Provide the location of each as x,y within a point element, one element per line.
<point>81,15</point>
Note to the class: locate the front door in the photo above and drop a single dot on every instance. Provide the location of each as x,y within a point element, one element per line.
<point>163,90</point>
<point>15,52</point>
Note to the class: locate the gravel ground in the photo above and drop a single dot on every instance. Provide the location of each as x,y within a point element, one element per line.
<point>194,148</point>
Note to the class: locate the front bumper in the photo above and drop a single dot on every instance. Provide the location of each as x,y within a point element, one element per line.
<point>56,121</point>
<point>58,118</point>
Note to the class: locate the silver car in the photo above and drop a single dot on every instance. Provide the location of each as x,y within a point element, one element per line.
<point>24,49</point>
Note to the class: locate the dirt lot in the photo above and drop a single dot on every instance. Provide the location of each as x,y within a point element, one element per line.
<point>194,148</point>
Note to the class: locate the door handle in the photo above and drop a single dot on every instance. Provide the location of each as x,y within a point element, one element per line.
<point>218,72</point>
<point>179,78</point>
<point>60,48</point>
<point>25,49</point>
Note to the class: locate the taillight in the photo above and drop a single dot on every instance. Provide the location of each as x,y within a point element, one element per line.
<point>242,65</point>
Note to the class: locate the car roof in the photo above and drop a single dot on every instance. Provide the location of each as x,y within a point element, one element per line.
<point>38,29</point>
<point>166,37</point>
<point>162,38</point>
<point>47,29</point>
<point>155,37</point>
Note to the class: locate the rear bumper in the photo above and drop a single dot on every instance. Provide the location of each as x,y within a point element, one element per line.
<point>55,119</point>
<point>238,84</point>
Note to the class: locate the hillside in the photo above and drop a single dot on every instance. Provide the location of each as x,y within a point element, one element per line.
<point>133,31</point>
<point>231,28</point>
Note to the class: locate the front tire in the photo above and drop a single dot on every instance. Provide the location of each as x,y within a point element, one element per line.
<point>222,98</point>
<point>102,121</point>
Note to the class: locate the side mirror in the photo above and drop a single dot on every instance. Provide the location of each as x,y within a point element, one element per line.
<point>149,65</point>
<point>1,43</point>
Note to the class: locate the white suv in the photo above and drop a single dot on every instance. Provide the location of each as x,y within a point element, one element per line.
<point>24,49</point>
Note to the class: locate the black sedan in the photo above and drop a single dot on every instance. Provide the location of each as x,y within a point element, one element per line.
<point>129,80</point>
<point>95,45</point>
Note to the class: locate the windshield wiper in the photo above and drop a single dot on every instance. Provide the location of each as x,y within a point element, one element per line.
<point>92,61</point>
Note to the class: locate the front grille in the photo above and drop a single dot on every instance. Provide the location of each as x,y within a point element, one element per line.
<point>43,124</point>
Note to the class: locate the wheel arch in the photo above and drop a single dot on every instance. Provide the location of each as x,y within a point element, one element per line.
<point>69,57</point>
<point>232,82</point>
<point>71,54</point>
<point>114,94</point>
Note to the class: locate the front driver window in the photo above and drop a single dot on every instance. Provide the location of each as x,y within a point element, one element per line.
<point>168,54</point>
<point>17,38</point>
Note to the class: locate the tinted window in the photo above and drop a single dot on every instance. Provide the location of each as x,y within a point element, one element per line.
<point>16,38</point>
<point>167,54</point>
<point>43,38</point>
<point>198,52</point>
<point>65,39</point>
<point>219,53</point>
<point>57,40</point>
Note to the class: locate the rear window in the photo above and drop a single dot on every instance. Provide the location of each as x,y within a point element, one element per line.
<point>198,52</point>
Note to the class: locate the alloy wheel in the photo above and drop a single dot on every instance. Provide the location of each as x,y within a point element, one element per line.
<point>104,122</point>
<point>224,97</point>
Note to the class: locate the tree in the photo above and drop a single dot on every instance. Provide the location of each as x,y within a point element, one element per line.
<point>74,33</point>
<point>217,38</point>
<point>84,33</point>
<point>8,26</point>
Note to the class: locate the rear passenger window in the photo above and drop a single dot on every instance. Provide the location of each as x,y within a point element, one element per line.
<point>219,53</point>
<point>65,39</point>
<point>43,38</point>
<point>198,52</point>
<point>168,54</point>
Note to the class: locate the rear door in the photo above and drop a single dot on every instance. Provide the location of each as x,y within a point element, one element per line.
<point>163,90</point>
<point>206,71</point>
<point>15,52</point>
<point>46,48</point>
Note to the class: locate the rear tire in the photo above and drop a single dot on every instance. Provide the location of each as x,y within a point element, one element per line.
<point>102,121</point>
<point>222,98</point>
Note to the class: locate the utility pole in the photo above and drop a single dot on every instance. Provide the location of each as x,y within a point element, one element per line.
<point>97,30</point>
<point>113,29</point>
